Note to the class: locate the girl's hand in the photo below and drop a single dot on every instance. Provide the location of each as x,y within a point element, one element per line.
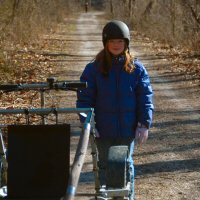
<point>141,134</point>
<point>97,133</point>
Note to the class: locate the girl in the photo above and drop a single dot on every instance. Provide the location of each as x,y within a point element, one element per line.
<point>120,92</point>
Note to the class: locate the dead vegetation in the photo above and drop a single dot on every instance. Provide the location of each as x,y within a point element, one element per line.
<point>23,22</point>
<point>173,26</point>
<point>183,60</point>
<point>21,25</point>
<point>165,172</point>
<point>176,22</point>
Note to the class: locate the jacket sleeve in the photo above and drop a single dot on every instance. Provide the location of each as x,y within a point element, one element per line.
<point>86,97</point>
<point>144,96</point>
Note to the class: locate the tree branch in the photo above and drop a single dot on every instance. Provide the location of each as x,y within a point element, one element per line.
<point>194,14</point>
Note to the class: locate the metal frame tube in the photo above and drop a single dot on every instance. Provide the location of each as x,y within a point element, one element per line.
<point>45,111</point>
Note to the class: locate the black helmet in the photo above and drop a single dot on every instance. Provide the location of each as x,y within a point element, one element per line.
<point>115,30</point>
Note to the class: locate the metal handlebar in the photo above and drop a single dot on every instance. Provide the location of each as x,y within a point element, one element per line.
<point>51,84</point>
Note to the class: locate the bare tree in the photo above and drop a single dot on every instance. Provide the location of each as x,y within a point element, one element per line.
<point>173,21</point>
<point>111,7</point>
<point>173,16</point>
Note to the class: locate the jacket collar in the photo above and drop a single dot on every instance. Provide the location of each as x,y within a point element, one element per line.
<point>118,59</point>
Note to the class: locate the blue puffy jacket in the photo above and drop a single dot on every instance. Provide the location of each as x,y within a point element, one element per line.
<point>120,100</point>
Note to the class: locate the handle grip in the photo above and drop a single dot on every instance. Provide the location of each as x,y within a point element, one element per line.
<point>75,84</point>
<point>9,87</point>
<point>51,84</point>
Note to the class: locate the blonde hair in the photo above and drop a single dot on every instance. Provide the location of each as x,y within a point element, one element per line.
<point>104,57</point>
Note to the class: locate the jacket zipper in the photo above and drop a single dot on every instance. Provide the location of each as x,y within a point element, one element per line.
<point>118,100</point>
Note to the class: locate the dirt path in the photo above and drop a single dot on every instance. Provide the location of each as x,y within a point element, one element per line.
<point>74,45</point>
<point>168,166</point>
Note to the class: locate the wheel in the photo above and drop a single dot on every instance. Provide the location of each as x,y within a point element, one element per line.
<point>116,172</point>
<point>130,181</point>
<point>3,162</point>
<point>3,174</point>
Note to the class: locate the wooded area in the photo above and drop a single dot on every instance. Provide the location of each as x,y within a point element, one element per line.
<point>56,38</point>
<point>22,22</point>
<point>173,21</point>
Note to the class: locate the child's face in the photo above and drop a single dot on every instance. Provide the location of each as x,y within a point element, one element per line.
<point>116,46</point>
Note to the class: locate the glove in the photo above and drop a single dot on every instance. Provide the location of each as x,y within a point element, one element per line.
<point>141,134</point>
<point>97,133</point>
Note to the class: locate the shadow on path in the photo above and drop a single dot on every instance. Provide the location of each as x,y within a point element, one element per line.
<point>168,166</point>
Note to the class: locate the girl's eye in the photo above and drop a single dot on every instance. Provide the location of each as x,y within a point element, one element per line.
<point>116,41</point>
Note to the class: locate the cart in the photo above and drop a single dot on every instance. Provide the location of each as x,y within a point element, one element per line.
<point>118,184</point>
<point>22,178</point>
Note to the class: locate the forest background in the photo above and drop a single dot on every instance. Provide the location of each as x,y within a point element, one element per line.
<point>43,38</point>
<point>173,23</point>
